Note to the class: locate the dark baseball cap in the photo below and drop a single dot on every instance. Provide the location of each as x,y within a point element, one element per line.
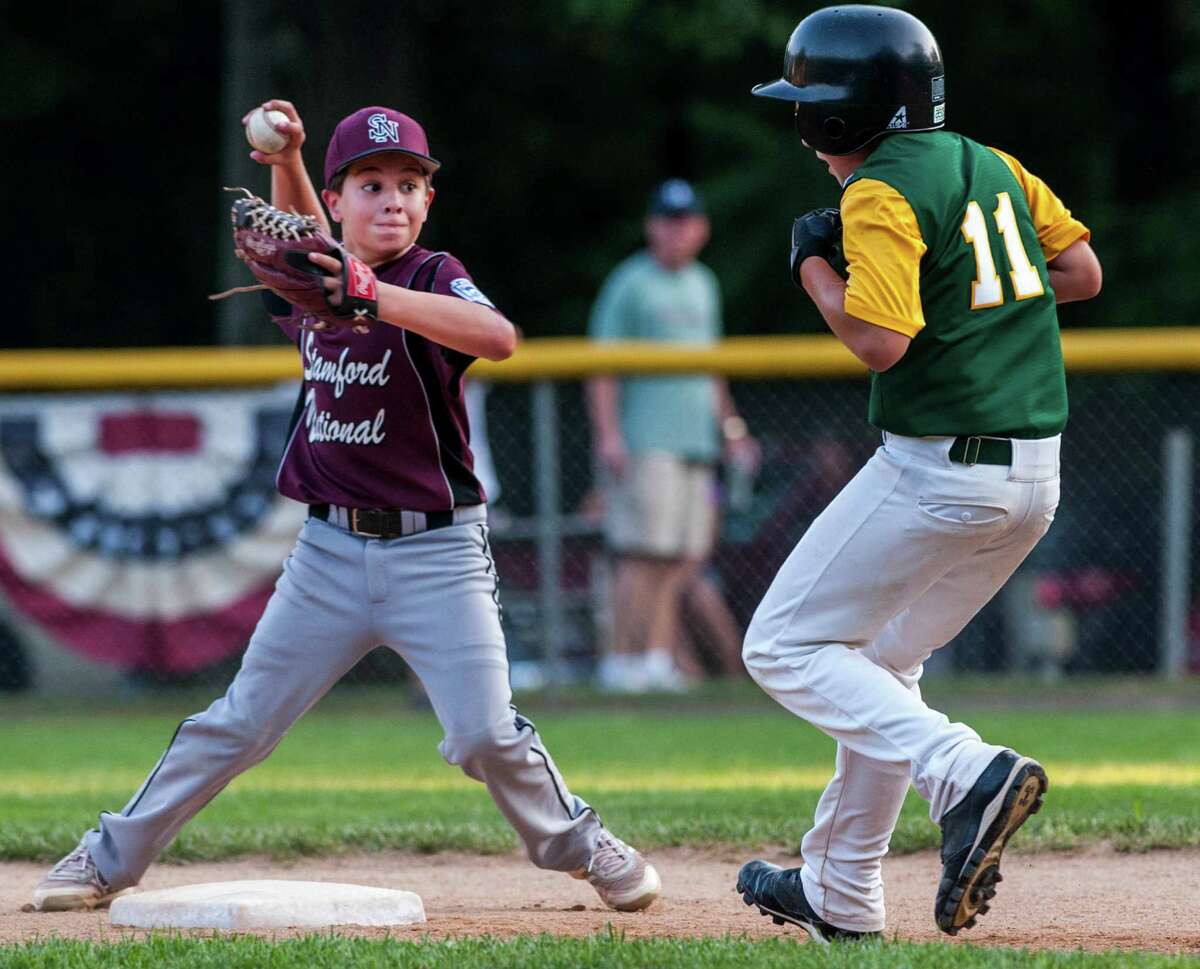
<point>675,197</point>
<point>372,130</point>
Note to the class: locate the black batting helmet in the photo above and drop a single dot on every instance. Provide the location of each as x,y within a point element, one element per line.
<point>858,72</point>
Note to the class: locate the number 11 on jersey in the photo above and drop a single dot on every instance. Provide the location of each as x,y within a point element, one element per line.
<point>986,290</point>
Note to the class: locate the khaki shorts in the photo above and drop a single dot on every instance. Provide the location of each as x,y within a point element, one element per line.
<point>663,506</point>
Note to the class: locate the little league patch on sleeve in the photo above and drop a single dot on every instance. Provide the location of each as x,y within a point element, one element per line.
<point>469,291</point>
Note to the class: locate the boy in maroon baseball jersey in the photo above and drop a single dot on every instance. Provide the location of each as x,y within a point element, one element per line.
<point>395,550</point>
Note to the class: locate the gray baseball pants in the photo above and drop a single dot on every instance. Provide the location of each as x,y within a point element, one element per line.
<point>432,598</point>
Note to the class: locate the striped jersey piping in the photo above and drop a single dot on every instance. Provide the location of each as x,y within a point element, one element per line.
<point>297,412</point>
<point>437,443</point>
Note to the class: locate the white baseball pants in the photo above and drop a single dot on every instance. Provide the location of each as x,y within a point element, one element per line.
<point>893,569</point>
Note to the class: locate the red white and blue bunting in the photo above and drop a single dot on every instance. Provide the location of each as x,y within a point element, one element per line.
<point>144,530</point>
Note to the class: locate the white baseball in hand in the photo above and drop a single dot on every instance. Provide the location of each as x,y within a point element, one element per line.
<point>261,133</point>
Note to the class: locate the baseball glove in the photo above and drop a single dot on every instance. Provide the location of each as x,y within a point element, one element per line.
<point>275,245</point>
<point>817,233</point>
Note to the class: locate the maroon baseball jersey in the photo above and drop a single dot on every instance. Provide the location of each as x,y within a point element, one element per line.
<point>381,421</point>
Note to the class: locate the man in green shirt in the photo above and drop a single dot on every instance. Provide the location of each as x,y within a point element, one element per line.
<point>659,438</point>
<point>956,257</point>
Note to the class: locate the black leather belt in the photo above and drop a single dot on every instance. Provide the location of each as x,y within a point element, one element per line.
<point>981,450</point>
<point>385,522</point>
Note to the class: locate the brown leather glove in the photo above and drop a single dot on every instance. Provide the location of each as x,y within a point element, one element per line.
<point>275,245</point>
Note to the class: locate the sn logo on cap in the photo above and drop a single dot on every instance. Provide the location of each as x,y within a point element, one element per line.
<point>381,129</point>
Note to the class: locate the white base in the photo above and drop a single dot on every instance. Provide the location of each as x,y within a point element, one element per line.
<point>270,904</point>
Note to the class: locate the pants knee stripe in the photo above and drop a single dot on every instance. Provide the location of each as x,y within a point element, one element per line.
<point>523,723</point>
<point>491,568</point>
<point>128,812</point>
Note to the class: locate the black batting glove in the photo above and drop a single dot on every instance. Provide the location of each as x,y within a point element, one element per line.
<point>816,233</point>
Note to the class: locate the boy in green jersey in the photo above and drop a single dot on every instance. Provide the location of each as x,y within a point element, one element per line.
<point>955,257</point>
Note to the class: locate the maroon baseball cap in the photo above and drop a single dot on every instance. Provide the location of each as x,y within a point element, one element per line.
<point>372,130</point>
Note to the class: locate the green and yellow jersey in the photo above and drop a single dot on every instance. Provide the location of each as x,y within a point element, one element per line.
<point>947,242</point>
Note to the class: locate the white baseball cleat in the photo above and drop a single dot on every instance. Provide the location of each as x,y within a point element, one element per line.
<point>623,879</point>
<point>622,673</point>
<point>661,673</point>
<point>74,883</point>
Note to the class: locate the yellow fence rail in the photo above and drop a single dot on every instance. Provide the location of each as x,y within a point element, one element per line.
<point>1086,351</point>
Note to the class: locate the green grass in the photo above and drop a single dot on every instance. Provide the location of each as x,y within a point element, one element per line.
<point>608,950</point>
<point>362,772</point>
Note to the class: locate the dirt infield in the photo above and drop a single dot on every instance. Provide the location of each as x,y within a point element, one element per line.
<point>1095,900</point>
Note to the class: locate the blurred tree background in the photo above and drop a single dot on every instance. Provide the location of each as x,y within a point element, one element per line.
<point>553,119</point>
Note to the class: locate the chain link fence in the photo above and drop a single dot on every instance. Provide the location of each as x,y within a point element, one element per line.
<point>1109,590</point>
<point>1091,598</point>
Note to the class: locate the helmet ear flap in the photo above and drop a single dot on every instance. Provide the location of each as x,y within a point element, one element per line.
<point>818,128</point>
<point>834,128</point>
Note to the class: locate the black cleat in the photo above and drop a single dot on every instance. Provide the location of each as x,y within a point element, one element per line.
<point>974,833</point>
<point>777,892</point>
